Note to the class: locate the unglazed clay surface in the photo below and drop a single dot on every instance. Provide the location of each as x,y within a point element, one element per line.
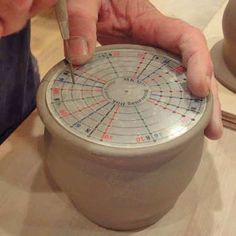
<point>32,206</point>
<point>224,52</point>
<point>229,29</point>
<point>122,196</point>
<point>120,188</point>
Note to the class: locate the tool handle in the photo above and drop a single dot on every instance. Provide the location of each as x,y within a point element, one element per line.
<point>62,18</point>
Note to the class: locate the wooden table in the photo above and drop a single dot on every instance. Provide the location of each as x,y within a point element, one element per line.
<point>30,206</point>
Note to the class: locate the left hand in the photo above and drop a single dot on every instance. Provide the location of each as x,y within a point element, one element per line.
<point>138,21</point>
<point>14,14</point>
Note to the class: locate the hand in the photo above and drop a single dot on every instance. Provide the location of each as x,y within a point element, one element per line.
<point>126,21</point>
<point>15,13</point>
<point>137,21</point>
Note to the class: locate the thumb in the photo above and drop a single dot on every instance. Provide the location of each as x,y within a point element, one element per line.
<point>83,16</point>
<point>180,38</point>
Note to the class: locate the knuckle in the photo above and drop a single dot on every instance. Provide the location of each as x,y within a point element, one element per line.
<point>196,33</point>
<point>23,5</point>
<point>189,30</point>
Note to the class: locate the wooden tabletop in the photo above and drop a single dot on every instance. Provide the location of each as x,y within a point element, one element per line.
<point>31,206</point>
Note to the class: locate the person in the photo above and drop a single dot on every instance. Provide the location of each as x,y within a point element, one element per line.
<point>109,22</point>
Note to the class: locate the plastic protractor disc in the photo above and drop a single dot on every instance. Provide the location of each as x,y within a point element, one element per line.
<point>126,96</point>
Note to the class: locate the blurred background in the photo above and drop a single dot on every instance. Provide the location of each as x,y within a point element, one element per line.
<point>46,41</point>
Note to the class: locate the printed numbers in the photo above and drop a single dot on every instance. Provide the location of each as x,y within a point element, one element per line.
<point>88,130</point>
<point>77,125</point>
<point>104,55</point>
<point>165,61</point>
<point>115,54</point>
<point>107,137</point>
<point>57,101</point>
<point>146,138</point>
<point>64,113</point>
<point>56,90</point>
<point>157,135</point>
<point>141,55</point>
<point>140,139</point>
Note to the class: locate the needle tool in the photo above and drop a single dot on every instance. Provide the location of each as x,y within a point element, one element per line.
<point>62,18</point>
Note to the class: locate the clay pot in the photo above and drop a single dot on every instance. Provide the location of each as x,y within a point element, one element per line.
<point>120,188</point>
<point>121,192</point>
<point>229,29</point>
<point>224,52</point>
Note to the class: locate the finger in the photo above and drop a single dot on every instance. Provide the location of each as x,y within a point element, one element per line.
<point>116,19</point>
<point>196,58</point>
<point>179,37</point>
<point>214,129</point>
<point>83,17</point>
<point>13,16</point>
<point>40,5</point>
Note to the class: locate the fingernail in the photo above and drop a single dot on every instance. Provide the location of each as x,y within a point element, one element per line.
<point>83,46</point>
<point>79,46</point>
<point>220,129</point>
<point>207,86</point>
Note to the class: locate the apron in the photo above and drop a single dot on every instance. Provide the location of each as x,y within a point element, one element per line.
<point>19,80</point>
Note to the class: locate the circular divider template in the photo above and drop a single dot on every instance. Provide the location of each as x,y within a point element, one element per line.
<point>127,97</point>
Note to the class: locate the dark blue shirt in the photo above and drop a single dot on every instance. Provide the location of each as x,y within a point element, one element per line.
<point>18,81</point>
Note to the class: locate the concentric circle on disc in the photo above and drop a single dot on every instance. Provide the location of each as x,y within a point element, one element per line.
<point>125,97</point>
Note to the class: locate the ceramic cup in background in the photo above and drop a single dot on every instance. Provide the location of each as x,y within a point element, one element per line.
<point>224,52</point>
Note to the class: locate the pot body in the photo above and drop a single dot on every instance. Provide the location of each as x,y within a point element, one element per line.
<point>229,29</point>
<point>121,188</point>
<point>122,195</point>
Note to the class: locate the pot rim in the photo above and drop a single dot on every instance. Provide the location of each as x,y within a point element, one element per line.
<point>56,130</point>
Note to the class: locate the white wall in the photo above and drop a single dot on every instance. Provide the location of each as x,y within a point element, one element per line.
<point>195,12</point>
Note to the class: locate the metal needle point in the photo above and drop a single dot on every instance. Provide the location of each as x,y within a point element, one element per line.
<point>69,61</point>
<point>62,18</point>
